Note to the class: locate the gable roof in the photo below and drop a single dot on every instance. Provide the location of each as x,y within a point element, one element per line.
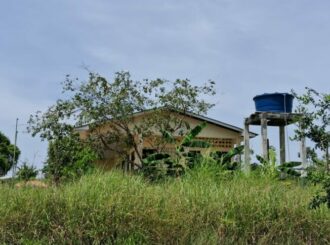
<point>208,120</point>
<point>192,115</point>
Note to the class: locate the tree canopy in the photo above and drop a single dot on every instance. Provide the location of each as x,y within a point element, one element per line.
<point>315,123</point>
<point>7,153</point>
<point>99,101</point>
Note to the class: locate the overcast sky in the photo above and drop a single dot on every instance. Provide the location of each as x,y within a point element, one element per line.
<point>246,47</point>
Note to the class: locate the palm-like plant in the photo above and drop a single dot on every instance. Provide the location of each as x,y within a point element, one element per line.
<point>26,172</point>
<point>269,167</point>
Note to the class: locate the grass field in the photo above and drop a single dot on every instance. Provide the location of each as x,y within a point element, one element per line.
<point>203,207</point>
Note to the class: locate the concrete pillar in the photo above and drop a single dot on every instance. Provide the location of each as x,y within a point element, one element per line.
<point>282,144</point>
<point>246,164</point>
<point>264,138</point>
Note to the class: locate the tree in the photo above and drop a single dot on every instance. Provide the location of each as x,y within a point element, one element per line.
<point>98,102</point>
<point>315,122</point>
<point>8,154</point>
<point>26,172</point>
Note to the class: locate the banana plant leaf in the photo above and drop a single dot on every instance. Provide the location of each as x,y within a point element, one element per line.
<point>290,165</point>
<point>155,157</point>
<point>291,172</point>
<point>261,159</point>
<point>193,133</point>
<point>233,152</point>
<point>168,136</point>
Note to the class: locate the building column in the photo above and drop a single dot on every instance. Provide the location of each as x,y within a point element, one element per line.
<point>264,137</point>
<point>239,157</point>
<point>246,164</point>
<point>140,151</point>
<point>282,144</point>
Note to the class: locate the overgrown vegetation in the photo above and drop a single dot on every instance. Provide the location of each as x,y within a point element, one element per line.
<point>206,206</point>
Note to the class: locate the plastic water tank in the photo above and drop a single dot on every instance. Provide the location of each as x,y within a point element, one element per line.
<point>274,102</point>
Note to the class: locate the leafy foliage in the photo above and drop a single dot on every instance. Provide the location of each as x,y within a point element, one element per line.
<point>316,174</point>
<point>188,139</point>
<point>226,160</point>
<point>320,198</point>
<point>315,122</point>
<point>68,158</point>
<point>158,165</point>
<point>267,167</point>
<point>26,172</point>
<point>287,168</point>
<point>270,168</point>
<point>7,154</point>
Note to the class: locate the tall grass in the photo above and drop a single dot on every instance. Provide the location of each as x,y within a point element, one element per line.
<point>204,207</point>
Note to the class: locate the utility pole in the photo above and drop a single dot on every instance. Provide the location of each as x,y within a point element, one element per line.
<point>15,143</point>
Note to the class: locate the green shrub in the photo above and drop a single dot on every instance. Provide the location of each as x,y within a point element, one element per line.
<point>316,174</point>
<point>68,158</point>
<point>322,198</point>
<point>9,154</point>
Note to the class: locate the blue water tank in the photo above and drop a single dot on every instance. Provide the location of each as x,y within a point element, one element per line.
<point>274,102</point>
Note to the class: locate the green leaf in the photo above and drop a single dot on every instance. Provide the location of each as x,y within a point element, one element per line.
<point>231,153</point>
<point>156,157</point>
<point>290,164</point>
<point>291,172</point>
<point>167,136</point>
<point>193,133</point>
<point>261,159</point>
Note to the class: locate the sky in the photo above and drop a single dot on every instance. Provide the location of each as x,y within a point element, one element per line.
<point>246,47</point>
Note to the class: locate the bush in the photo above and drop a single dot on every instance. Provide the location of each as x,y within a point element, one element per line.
<point>68,158</point>
<point>9,154</point>
<point>316,174</point>
<point>322,198</point>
